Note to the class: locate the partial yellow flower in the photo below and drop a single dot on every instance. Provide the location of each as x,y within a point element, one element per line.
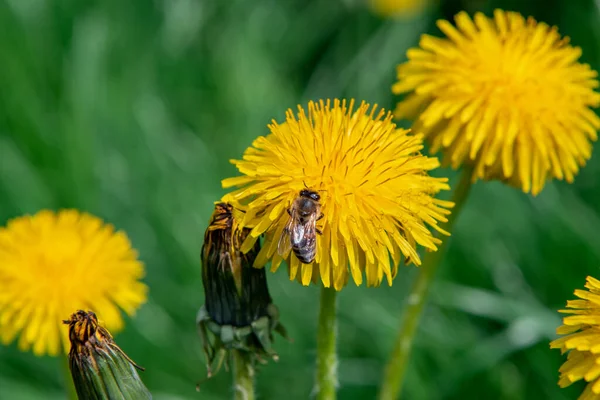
<point>504,95</point>
<point>582,340</point>
<point>54,263</point>
<point>376,196</point>
<point>397,8</point>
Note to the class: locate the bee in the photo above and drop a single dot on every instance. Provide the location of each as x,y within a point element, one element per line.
<point>300,231</point>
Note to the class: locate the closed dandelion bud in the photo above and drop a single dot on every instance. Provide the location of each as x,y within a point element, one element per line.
<point>238,312</point>
<point>99,368</point>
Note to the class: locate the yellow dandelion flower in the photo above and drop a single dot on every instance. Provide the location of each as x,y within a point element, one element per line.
<point>397,8</point>
<point>54,263</point>
<point>582,340</point>
<point>506,96</point>
<point>376,196</point>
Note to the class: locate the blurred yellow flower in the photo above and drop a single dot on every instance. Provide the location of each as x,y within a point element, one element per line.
<point>376,196</point>
<point>52,263</point>
<point>505,95</point>
<point>582,340</point>
<point>396,8</point>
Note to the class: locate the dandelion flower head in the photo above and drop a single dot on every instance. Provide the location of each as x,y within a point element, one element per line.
<point>376,195</point>
<point>52,263</point>
<point>504,95</point>
<point>581,340</point>
<point>397,8</point>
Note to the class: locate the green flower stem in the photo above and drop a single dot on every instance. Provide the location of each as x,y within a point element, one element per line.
<point>243,371</point>
<point>68,378</point>
<point>326,357</point>
<point>398,362</point>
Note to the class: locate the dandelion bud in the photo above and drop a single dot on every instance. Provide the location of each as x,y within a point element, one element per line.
<point>238,312</point>
<point>99,368</point>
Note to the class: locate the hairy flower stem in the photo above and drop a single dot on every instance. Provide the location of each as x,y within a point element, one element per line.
<point>243,371</point>
<point>398,361</point>
<point>71,394</point>
<point>326,337</point>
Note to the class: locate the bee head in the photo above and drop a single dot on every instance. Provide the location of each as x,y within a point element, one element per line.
<point>310,194</point>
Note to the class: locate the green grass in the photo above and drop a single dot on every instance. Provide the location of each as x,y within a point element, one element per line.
<point>131,110</point>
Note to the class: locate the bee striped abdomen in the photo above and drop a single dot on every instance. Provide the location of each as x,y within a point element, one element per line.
<point>306,255</point>
<point>305,248</point>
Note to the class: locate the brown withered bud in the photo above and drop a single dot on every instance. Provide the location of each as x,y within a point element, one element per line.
<point>238,312</point>
<point>99,368</point>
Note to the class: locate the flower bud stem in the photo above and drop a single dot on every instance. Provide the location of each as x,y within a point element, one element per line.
<point>326,355</point>
<point>398,361</point>
<point>243,371</point>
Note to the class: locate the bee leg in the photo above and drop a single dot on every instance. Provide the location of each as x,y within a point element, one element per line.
<point>320,216</point>
<point>318,231</point>
<point>289,212</point>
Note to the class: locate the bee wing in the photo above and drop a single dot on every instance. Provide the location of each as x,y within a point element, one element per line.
<point>298,235</point>
<point>285,241</point>
<point>310,229</point>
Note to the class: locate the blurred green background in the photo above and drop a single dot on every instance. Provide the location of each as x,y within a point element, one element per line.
<point>131,110</point>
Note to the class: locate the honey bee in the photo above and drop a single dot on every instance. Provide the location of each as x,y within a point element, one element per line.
<point>300,231</point>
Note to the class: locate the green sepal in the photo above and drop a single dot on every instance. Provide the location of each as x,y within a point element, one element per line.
<point>254,340</point>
